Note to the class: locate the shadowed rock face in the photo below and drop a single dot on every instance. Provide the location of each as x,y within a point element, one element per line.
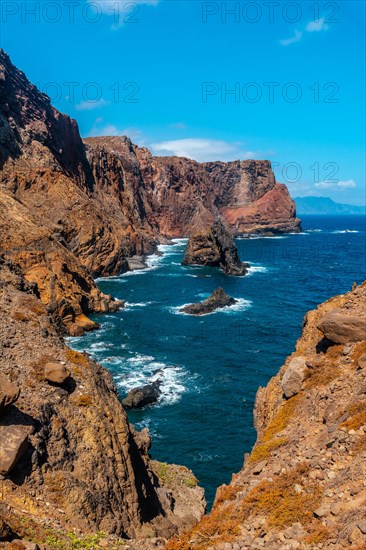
<point>217,300</point>
<point>71,445</point>
<point>214,246</point>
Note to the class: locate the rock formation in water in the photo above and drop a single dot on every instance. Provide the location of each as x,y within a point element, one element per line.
<point>214,246</point>
<point>142,396</point>
<point>303,485</point>
<point>217,300</point>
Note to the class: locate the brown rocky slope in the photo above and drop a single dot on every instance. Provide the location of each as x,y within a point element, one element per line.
<point>69,460</point>
<point>304,483</point>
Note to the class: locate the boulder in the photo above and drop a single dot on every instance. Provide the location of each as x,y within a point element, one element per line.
<point>9,392</point>
<point>341,328</point>
<point>294,376</point>
<point>217,300</point>
<point>214,246</point>
<point>13,444</point>
<point>55,373</point>
<point>142,396</point>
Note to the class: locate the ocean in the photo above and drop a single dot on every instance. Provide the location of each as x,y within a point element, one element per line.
<point>211,366</point>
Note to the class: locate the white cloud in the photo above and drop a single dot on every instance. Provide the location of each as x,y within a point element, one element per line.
<point>91,105</point>
<point>338,185</point>
<point>202,150</point>
<point>312,26</point>
<point>316,26</point>
<point>296,38</point>
<point>122,11</point>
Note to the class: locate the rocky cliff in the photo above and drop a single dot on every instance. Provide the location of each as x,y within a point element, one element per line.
<point>185,193</point>
<point>69,460</point>
<point>103,200</point>
<point>304,483</point>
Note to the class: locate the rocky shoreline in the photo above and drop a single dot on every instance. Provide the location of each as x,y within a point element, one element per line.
<point>303,485</point>
<point>74,471</point>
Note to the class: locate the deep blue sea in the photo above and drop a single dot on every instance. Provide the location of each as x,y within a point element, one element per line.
<point>212,366</point>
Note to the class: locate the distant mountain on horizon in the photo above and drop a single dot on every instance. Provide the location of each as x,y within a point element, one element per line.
<point>325,206</point>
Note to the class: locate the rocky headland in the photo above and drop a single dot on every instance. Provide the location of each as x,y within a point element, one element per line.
<point>304,484</point>
<point>77,209</point>
<point>214,246</point>
<point>217,300</point>
<point>73,470</point>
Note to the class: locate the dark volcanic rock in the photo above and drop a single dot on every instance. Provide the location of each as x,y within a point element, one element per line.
<point>217,300</point>
<point>214,246</point>
<point>142,396</point>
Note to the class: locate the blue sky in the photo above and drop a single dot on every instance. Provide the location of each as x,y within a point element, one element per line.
<point>162,71</point>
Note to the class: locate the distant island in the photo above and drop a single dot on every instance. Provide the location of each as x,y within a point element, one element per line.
<point>325,206</point>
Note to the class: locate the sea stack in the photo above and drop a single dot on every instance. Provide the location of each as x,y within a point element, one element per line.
<point>214,246</point>
<point>217,300</point>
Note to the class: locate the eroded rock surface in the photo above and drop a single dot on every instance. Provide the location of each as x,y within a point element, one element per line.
<point>214,246</point>
<point>341,327</point>
<point>69,456</point>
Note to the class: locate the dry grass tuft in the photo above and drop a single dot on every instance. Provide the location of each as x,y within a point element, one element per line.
<point>280,502</point>
<point>356,416</point>
<point>77,358</point>
<point>277,500</point>
<point>263,450</point>
<point>359,350</point>
<point>84,400</point>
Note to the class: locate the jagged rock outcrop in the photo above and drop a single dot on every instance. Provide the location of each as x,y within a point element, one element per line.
<point>142,396</point>
<point>217,300</point>
<point>303,485</point>
<point>214,246</point>
<point>69,456</point>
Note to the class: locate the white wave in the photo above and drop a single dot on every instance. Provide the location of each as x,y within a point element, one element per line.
<point>140,359</point>
<point>200,276</point>
<point>180,241</point>
<point>172,378</point>
<point>346,231</point>
<point>256,268</point>
<point>240,305</point>
<point>129,305</point>
<point>100,346</point>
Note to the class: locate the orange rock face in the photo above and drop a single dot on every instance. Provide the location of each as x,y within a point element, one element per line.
<point>74,210</point>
